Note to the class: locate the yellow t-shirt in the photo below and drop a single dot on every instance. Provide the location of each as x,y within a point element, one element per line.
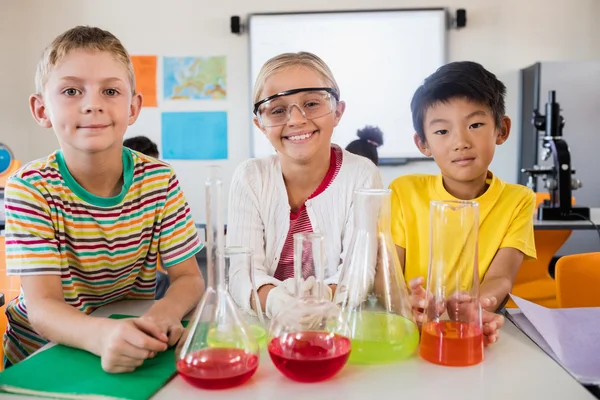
<point>505,220</point>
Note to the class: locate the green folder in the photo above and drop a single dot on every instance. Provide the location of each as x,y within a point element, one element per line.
<point>67,373</point>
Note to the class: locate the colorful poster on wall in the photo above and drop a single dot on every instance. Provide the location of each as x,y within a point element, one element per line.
<point>194,78</point>
<point>144,68</point>
<point>194,135</point>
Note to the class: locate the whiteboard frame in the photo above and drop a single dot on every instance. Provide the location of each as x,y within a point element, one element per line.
<point>382,161</point>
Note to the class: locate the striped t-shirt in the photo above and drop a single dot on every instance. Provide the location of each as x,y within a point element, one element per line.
<point>104,249</point>
<point>299,222</point>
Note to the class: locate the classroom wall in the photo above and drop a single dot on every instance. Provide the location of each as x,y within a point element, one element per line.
<point>504,35</point>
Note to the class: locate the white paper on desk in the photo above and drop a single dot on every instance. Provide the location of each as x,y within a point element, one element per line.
<point>573,334</point>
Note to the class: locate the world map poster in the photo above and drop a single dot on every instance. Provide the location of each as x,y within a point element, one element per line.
<point>194,78</point>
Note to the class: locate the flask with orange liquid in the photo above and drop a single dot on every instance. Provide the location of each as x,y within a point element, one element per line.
<point>451,333</point>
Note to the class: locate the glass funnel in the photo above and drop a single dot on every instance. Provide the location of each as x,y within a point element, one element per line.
<point>307,342</point>
<point>372,293</point>
<point>451,333</point>
<point>241,259</point>
<point>204,358</point>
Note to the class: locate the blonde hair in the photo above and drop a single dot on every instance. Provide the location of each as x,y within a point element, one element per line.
<point>81,38</point>
<point>290,60</point>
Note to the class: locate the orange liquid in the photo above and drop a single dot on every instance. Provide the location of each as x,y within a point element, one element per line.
<point>449,343</point>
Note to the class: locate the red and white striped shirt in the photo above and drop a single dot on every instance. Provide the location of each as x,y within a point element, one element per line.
<point>299,221</point>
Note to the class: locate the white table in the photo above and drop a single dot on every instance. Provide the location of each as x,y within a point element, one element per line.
<point>570,225</point>
<point>514,368</point>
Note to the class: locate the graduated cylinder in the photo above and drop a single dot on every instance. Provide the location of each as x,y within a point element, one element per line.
<point>452,332</point>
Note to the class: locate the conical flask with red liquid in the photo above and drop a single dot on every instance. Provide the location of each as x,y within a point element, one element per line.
<point>217,350</point>
<point>306,341</point>
<point>372,292</point>
<point>451,333</point>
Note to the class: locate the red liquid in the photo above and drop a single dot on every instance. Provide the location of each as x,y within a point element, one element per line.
<point>218,368</point>
<point>310,356</point>
<point>454,344</point>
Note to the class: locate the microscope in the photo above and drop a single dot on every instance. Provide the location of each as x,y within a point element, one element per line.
<point>558,179</point>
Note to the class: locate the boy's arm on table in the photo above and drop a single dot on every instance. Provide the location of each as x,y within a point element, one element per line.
<point>496,285</point>
<point>122,344</point>
<point>184,293</point>
<point>416,291</point>
<point>177,246</point>
<point>35,256</point>
<point>498,280</point>
<point>54,319</point>
<point>518,244</point>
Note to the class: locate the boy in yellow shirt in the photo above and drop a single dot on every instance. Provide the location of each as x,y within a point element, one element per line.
<point>458,116</point>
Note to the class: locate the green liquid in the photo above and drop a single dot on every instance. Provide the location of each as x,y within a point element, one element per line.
<point>379,338</point>
<point>226,339</point>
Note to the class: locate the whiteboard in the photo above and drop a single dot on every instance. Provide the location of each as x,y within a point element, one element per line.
<point>379,59</point>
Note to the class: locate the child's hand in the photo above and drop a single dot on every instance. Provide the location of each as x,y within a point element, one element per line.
<point>461,308</point>
<point>278,298</point>
<point>169,326</point>
<point>491,322</point>
<point>418,299</point>
<point>126,343</point>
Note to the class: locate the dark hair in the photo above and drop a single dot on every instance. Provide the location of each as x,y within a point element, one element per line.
<point>371,133</point>
<point>461,79</point>
<point>143,145</point>
<point>370,137</point>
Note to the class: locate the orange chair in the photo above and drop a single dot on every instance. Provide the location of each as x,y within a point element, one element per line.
<point>533,282</point>
<point>577,280</point>
<point>13,167</point>
<point>10,287</point>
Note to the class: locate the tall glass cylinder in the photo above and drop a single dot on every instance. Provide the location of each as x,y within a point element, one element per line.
<point>451,333</point>
<point>215,227</point>
<point>309,258</point>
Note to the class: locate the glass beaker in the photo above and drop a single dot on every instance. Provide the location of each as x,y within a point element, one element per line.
<point>203,359</point>
<point>451,333</point>
<point>240,259</point>
<point>371,292</point>
<point>307,343</point>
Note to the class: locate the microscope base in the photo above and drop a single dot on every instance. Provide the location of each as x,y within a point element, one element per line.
<point>546,213</point>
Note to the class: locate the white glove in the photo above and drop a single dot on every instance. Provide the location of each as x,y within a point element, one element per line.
<point>311,285</point>
<point>307,286</point>
<point>327,293</point>
<point>318,316</point>
<point>307,314</point>
<point>277,298</point>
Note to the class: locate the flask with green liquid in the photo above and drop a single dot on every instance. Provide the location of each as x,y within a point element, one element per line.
<point>372,293</point>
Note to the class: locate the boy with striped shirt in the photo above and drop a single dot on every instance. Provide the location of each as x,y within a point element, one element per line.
<point>84,226</point>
